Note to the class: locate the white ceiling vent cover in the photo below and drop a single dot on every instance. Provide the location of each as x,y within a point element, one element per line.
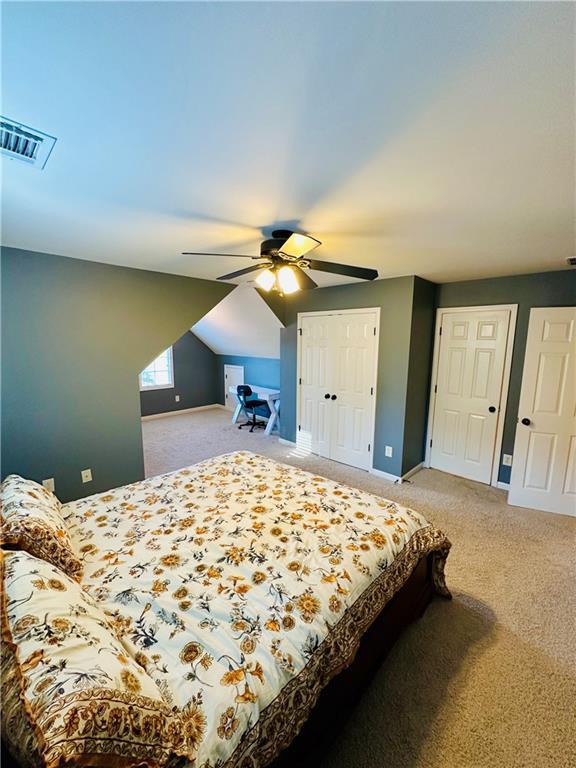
<point>19,142</point>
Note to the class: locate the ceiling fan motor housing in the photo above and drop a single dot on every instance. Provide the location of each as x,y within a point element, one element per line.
<point>272,246</point>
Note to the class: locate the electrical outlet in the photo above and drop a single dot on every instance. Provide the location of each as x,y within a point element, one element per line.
<point>177,398</point>
<point>507,459</point>
<point>86,475</point>
<point>48,484</point>
<point>388,451</point>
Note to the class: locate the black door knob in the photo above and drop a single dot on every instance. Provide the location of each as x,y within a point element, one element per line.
<point>526,422</point>
<point>327,396</point>
<point>492,409</point>
<point>333,397</point>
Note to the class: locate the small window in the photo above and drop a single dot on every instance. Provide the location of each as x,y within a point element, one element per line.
<point>160,373</point>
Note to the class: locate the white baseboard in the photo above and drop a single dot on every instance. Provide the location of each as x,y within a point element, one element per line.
<point>413,471</point>
<point>397,478</point>
<point>385,475</point>
<point>181,411</point>
<point>372,470</point>
<point>503,486</point>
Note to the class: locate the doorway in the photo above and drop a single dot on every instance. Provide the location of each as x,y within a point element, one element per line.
<point>544,466</point>
<point>337,369</point>
<point>233,376</point>
<point>471,371</point>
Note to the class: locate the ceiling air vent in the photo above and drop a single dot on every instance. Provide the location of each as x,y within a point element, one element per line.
<point>19,142</point>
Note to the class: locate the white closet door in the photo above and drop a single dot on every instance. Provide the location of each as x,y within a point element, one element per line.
<point>338,360</point>
<point>354,354</point>
<point>315,375</point>
<point>469,384</point>
<point>544,464</point>
<point>233,375</point>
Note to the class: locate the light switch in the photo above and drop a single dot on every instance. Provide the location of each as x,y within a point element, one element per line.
<point>177,398</point>
<point>388,451</point>
<point>48,484</point>
<point>507,459</point>
<point>86,475</point>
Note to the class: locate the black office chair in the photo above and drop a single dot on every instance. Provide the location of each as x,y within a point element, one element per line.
<point>252,407</point>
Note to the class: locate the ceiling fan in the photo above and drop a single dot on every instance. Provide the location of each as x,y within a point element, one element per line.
<point>282,262</point>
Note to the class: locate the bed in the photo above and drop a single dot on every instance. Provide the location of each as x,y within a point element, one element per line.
<point>242,587</point>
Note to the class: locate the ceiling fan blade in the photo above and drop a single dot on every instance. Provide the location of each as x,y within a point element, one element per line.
<point>297,245</point>
<point>305,282</point>
<point>245,271</point>
<point>363,273</point>
<point>232,255</point>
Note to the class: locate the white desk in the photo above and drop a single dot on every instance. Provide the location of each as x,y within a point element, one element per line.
<point>272,397</point>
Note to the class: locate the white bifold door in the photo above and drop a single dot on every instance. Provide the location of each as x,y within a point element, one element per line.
<point>468,388</point>
<point>338,357</point>
<point>544,463</point>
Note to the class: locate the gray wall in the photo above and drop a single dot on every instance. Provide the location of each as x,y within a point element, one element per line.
<point>75,335</point>
<point>399,365</point>
<point>419,373</point>
<point>257,370</point>
<point>199,377</point>
<point>547,289</point>
<point>195,379</point>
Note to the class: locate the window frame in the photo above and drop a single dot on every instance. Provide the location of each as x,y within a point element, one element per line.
<point>151,387</point>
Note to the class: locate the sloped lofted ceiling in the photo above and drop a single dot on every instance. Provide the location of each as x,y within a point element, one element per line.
<point>429,138</point>
<point>241,324</point>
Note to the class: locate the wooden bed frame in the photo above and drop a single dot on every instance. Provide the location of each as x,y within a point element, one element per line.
<point>340,696</point>
<point>342,693</point>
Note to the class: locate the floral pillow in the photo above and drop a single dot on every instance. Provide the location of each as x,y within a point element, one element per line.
<point>32,520</point>
<point>85,700</point>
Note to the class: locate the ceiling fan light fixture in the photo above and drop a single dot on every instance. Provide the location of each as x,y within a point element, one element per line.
<point>283,266</point>
<point>287,281</point>
<point>297,245</point>
<point>266,280</point>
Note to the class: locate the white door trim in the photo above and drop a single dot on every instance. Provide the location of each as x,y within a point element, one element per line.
<point>320,313</point>
<point>440,312</point>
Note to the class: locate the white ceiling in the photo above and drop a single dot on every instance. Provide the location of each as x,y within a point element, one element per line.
<point>429,138</point>
<point>241,324</point>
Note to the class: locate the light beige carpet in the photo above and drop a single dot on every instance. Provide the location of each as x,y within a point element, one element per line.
<point>485,681</point>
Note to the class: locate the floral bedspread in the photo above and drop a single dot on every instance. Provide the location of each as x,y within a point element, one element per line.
<point>242,585</point>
